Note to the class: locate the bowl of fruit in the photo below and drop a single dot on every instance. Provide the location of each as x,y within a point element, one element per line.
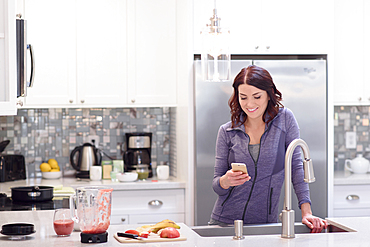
<point>50,170</point>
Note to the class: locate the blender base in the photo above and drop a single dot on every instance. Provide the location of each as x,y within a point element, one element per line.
<point>94,238</point>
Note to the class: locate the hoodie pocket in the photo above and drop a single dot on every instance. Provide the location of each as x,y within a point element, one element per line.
<point>270,203</point>
<point>228,196</point>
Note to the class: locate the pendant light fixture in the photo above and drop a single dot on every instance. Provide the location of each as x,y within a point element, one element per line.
<point>215,54</point>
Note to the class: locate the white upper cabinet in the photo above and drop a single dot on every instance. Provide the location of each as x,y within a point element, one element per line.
<point>270,26</point>
<point>51,31</point>
<point>8,66</point>
<point>152,53</point>
<point>103,53</point>
<point>80,51</point>
<point>352,37</point>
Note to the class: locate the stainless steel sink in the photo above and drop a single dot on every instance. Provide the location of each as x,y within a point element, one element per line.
<point>263,229</point>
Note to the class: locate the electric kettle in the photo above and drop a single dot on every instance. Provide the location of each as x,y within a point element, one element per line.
<point>83,157</point>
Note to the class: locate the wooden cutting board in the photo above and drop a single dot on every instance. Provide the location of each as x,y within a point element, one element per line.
<point>152,238</point>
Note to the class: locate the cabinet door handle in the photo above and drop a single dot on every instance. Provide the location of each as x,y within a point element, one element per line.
<point>33,66</point>
<point>155,203</point>
<point>359,98</point>
<point>123,219</point>
<point>352,197</point>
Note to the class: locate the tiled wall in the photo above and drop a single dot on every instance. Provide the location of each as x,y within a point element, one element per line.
<point>350,119</point>
<point>40,134</point>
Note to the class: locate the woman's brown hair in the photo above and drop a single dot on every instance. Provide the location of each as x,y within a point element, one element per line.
<point>259,78</point>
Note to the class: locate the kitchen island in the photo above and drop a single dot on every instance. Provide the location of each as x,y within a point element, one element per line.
<point>45,235</point>
<point>151,183</point>
<point>136,202</point>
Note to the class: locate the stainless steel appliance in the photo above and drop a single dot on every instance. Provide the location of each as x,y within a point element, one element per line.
<point>12,166</point>
<point>303,83</point>
<point>22,48</point>
<point>83,157</point>
<point>139,146</point>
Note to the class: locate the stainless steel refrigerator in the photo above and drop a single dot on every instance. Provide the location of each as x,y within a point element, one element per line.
<point>303,84</point>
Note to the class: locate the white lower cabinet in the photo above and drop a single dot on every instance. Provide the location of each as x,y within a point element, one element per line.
<point>351,200</point>
<point>147,206</point>
<point>119,219</point>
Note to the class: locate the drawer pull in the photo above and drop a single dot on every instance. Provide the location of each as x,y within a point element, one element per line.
<point>123,219</point>
<point>352,197</point>
<point>155,203</point>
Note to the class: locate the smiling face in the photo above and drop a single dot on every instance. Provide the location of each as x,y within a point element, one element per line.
<point>253,101</point>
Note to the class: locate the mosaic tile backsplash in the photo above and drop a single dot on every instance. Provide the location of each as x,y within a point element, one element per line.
<point>40,134</point>
<point>351,133</point>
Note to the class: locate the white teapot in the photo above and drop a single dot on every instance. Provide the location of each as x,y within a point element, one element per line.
<point>357,165</point>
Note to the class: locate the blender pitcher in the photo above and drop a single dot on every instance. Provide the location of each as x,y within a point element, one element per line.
<point>93,212</point>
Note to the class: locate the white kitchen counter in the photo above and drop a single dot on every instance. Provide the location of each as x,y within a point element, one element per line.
<point>347,177</point>
<point>45,235</point>
<point>152,183</point>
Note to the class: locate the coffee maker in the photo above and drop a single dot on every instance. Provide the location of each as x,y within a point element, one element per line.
<point>139,145</point>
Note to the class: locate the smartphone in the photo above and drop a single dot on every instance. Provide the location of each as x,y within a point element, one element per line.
<point>236,167</point>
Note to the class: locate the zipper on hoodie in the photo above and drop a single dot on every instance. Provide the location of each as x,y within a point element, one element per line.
<point>255,168</point>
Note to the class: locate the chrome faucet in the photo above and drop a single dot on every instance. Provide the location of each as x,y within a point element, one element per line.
<point>287,214</point>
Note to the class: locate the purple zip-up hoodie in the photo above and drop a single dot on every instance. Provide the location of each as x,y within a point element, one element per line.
<point>257,200</point>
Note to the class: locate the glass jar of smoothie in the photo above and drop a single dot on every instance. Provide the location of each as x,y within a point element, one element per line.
<point>142,172</point>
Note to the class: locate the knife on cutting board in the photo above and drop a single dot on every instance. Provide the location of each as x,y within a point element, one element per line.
<point>129,235</point>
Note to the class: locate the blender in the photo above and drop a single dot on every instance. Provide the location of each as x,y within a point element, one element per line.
<point>93,205</point>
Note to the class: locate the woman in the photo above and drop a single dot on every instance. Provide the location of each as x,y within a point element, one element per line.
<point>258,135</point>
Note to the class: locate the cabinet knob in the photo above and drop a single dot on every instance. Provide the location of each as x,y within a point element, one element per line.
<point>256,47</point>
<point>133,101</point>
<point>155,203</point>
<point>267,47</point>
<point>123,219</point>
<point>20,103</point>
<point>359,98</point>
<point>71,101</point>
<point>82,101</point>
<point>352,198</point>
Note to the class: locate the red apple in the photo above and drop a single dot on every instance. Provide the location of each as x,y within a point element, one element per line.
<point>170,232</point>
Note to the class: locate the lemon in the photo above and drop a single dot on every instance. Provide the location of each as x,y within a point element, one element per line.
<point>53,163</point>
<point>54,170</point>
<point>45,167</point>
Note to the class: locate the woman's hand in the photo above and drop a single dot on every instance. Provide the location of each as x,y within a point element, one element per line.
<point>232,178</point>
<point>316,224</point>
